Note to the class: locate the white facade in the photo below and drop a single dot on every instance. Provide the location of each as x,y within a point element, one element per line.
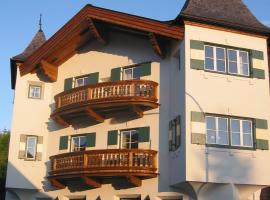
<point>192,171</point>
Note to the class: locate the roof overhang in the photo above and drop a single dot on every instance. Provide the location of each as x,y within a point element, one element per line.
<point>89,24</point>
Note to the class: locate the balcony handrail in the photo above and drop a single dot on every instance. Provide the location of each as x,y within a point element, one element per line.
<point>115,159</point>
<point>144,89</point>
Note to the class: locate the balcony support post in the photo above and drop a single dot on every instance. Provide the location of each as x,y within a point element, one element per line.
<point>91,182</point>
<point>134,180</point>
<point>137,111</point>
<point>55,183</point>
<point>94,115</point>
<point>60,120</point>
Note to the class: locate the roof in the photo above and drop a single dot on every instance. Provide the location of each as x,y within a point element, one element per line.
<point>232,13</point>
<point>38,40</point>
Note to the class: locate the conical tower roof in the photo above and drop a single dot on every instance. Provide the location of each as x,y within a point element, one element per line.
<point>230,13</point>
<point>38,40</point>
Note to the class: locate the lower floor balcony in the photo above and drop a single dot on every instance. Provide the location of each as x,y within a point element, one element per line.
<point>93,166</point>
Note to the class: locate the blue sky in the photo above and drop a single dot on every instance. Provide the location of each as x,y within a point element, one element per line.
<point>19,23</point>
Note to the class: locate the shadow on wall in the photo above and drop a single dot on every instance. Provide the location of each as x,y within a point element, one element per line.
<point>19,187</point>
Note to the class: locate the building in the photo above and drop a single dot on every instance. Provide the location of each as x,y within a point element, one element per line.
<point>117,106</point>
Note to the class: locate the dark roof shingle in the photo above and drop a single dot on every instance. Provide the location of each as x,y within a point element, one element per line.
<point>38,40</point>
<point>231,13</point>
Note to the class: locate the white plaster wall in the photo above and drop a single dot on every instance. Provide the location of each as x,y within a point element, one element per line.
<point>30,117</point>
<point>229,95</point>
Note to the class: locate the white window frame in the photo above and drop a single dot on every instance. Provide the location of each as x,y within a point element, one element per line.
<point>217,129</point>
<point>128,144</point>
<point>34,148</point>
<point>72,143</point>
<point>242,133</point>
<point>75,81</point>
<point>132,73</point>
<point>238,62</point>
<point>215,59</point>
<point>30,93</point>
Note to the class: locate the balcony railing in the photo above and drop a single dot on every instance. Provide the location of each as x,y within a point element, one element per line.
<point>131,163</point>
<point>140,95</point>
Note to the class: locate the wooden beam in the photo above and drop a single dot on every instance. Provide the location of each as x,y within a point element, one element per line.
<point>135,180</point>
<point>94,115</point>
<point>137,110</point>
<point>91,182</point>
<point>94,30</point>
<point>156,45</point>
<point>58,119</point>
<point>55,183</point>
<point>49,70</point>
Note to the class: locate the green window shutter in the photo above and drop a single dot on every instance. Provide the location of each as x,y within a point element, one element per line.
<point>68,84</point>
<point>195,44</point>
<point>258,73</point>
<point>91,140</point>
<point>112,137</point>
<point>257,55</point>
<point>116,74</point>
<point>145,69</point>
<point>92,78</point>
<point>197,116</point>
<point>144,134</point>
<point>196,64</point>
<point>262,144</point>
<point>63,143</point>
<point>261,123</point>
<point>198,138</point>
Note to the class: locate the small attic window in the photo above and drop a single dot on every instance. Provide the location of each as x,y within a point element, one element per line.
<point>34,92</point>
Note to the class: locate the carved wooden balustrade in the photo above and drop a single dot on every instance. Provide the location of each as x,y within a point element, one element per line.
<point>104,99</point>
<point>131,163</point>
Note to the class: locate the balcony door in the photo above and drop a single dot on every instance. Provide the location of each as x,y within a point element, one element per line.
<point>130,139</point>
<point>78,143</point>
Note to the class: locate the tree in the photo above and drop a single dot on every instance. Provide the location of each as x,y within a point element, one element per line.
<point>4,143</point>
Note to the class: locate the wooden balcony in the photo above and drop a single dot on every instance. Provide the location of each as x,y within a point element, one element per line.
<point>105,100</point>
<point>93,166</point>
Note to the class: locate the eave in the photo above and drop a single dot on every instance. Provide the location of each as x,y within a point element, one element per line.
<point>87,25</point>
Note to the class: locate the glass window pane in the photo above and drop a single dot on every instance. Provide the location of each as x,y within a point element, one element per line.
<point>232,55</point>
<point>127,74</point>
<point>211,137</point>
<point>222,124</point>
<point>209,64</point>
<point>220,53</point>
<point>243,56</point>
<point>211,123</point>
<point>244,69</point>
<point>35,91</point>
<point>235,125</point>
<point>79,82</point>
<point>236,139</point>
<point>209,52</point>
<point>246,126</point>
<point>233,67</point>
<point>31,147</point>
<point>222,138</point>
<point>82,141</point>
<point>221,66</point>
<point>136,73</point>
<point>247,140</point>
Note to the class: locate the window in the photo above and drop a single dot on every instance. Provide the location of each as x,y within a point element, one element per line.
<point>132,73</point>
<point>31,147</point>
<point>81,81</point>
<point>235,62</point>
<point>174,134</point>
<point>78,143</point>
<point>229,131</point>
<point>215,59</point>
<point>34,92</point>
<point>130,139</point>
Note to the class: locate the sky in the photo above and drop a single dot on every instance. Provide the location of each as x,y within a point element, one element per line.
<point>19,23</point>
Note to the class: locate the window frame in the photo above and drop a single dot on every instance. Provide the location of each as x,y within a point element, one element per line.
<point>215,59</point>
<point>132,72</point>
<point>36,86</point>
<point>227,48</point>
<point>129,144</point>
<point>72,143</point>
<point>230,146</point>
<point>34,148</point>
<point>77,78</point>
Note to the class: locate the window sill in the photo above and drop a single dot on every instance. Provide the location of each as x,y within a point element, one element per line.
<point>230,147</point>
<point>226,73</point>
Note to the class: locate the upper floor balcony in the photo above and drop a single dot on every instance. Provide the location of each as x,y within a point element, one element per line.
<point>94,165</point>
<point>105,100</point>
